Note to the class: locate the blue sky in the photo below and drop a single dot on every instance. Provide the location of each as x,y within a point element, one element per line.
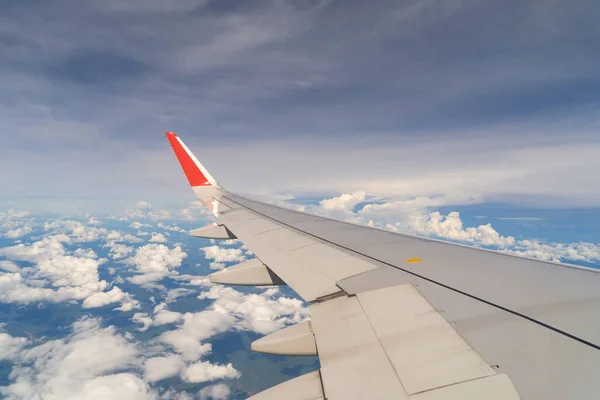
<point>457,99</point>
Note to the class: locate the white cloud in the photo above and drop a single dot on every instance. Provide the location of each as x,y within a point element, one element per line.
<point>162,316</point>
<point>220,254</point>
<point>10,346</point>
<point>71,277</point>
<point>9,266</point>
<point>57,275</point>
<point>144,319</point>
<point>91,363</point>
<point>24,229</point>
<point>206,372</point>
<point>411,216</point>
<point>170,228</point>
<point>219,391</point>
<point>123,385</point>
<point>158,238</point>
<point>260,313</point>
<point>154,261</point>
<point>345,202</point>
<point>451,227</point>
<point>93,221</point>
<point>118,236</point>
<point>138,225</point>
<point>187,338</point>
<point>115,295</point>
<point>75,229</point>
<point>216,266</point>
<point>158,368</point>
<point>118,250</point>
<point>173,294</point>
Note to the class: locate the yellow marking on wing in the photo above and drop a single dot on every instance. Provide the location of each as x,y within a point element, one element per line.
<point>413,260</point>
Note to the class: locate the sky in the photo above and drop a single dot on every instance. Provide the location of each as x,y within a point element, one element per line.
<point>452,102</point>
<point>470,121</point>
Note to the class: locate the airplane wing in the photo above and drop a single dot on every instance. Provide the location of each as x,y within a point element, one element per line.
<point>395,316</point>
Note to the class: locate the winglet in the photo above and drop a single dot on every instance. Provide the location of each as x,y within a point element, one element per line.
<point>195,172</point>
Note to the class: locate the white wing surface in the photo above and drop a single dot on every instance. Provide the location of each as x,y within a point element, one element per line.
<point>401,317</point>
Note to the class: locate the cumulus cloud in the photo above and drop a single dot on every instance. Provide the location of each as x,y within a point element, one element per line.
<point>14,224</point>
<point>9,266</point>
<point>216,266</point>
<point>71,277</point>
<point>174,294</point>
<point>206,372</point>
<point>412,216</point>
<point>221,255</point>
<point>115,295</point>
<point>10,347</point>
<point>138,225</point>
<point>158,238</point>
<point>187,338</point>
<point>162,316</point>
<point>78,231</point>
<point>451,227</point>
<point>170,227</point>
<point>118,250</point>
<point>262,313</point>
<point>158,368</point>
<point>56,275</point>
<point>154,261</point>
<point>219,391</point>
<point>92,362</point>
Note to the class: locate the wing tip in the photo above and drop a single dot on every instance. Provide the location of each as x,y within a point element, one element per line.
<point>195,173</point>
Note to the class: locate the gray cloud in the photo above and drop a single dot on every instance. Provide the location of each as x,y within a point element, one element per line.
<point>88,90</point>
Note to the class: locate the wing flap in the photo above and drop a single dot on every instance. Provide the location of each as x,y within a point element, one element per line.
<point>424,349</point>
<point>354,365</point>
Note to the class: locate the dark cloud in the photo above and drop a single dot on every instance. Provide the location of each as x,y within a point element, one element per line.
<point>111,75</point>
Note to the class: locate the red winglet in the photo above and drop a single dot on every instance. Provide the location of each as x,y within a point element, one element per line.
<point>190,165</point>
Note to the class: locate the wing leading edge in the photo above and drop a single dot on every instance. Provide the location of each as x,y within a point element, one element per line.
<point>397,316</point>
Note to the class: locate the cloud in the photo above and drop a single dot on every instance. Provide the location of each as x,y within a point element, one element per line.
<point>158,368</point>
<point>118,250</point>
<point>411,216</point>
<point>138,225</point>
<point>221,255</point>
<point>57,274</point>
<point>451,227</point>
<point>71,277</point>
<point>162,316</point>
<point>78,231</point>
<point>13,224</point>
<point>154,261</point>
<point>9,266</point>
<point>158,238</point>
<point>219,391</point>
<point>216,266</point>
<point>174,294</point>
<point>206,372</point>
<point>187,338</point>
<point>92,361</point>
<point>10,347</point>
<point>278,66</point>
<point>262,313</point>
<point>170,228</point>
<point>115,295</point>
